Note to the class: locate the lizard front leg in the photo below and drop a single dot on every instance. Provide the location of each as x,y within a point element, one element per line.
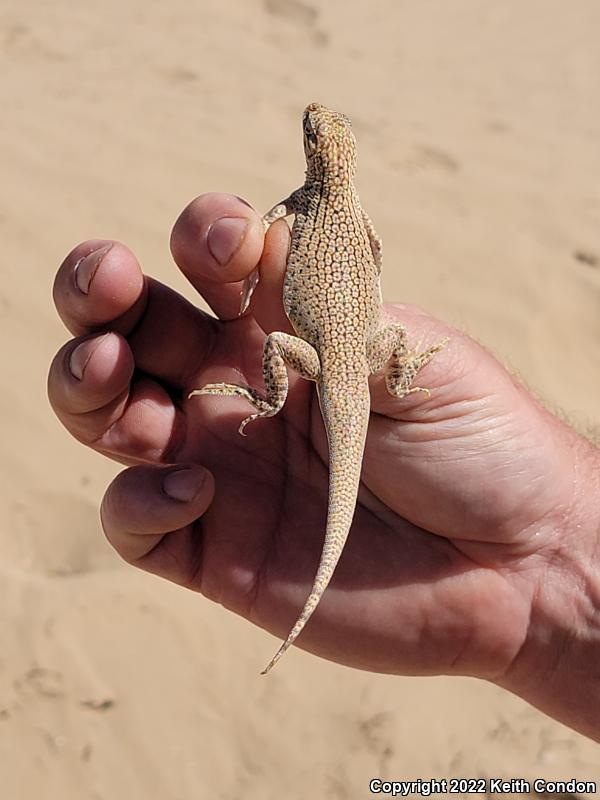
<point>279,211</point>
<point>374,240</point>
<point>281,351</point>
<point>389,346</point>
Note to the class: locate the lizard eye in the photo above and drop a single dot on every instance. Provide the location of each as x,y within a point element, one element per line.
<point>323,129</point>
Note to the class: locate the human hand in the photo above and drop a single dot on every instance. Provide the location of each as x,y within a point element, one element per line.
<point>463,496</point>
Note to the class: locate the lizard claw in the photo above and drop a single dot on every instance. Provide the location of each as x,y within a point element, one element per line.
<point>251,418</point>
<point>210,388</point>
<point>242,426</point>
<point>414,389</point>
<point>250,284</point>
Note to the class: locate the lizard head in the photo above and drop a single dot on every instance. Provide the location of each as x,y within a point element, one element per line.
<point>328,136</point>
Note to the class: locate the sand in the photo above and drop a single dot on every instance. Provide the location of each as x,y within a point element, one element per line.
<point>478,125</point>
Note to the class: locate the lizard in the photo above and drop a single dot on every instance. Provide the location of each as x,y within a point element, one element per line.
<point>332,298</point>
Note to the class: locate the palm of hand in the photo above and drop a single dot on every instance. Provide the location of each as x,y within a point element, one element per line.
<point>397,584</point>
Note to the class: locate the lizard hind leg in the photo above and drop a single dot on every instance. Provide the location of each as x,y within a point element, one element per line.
<point>281,351</point>
<point>389,347</point>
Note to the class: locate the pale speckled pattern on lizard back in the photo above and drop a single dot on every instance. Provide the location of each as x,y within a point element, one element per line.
<point>332,298</point>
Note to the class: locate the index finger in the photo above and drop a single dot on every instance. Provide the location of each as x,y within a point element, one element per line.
<point>217,242</point>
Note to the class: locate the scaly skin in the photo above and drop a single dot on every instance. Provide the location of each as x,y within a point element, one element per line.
<point>332,298</point>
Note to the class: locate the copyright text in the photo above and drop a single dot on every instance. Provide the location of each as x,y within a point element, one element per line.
<point>487,786</point>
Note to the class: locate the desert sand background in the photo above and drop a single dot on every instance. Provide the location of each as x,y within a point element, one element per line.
<point>479,128</point>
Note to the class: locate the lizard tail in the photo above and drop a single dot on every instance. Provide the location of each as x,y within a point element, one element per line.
<point>346,417</point>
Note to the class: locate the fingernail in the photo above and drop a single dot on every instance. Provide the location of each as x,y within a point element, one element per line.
<point>86,267</point>
<point>224,237</point>
<point>241,199</point>
<point>183,484</point>
<point>82,354</point>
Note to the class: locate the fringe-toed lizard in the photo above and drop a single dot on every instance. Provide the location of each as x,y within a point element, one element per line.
<point>332,298</point>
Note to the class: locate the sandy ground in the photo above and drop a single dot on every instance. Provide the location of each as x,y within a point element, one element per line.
<point>478,125</point>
